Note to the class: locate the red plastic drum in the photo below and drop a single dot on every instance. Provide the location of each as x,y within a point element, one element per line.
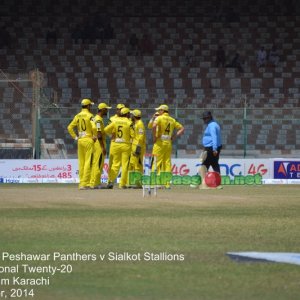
<point>212,179</point>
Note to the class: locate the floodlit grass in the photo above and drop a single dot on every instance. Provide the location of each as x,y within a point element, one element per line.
<point>199,225</point>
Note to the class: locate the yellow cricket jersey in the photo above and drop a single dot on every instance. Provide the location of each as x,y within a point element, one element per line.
<point>112,118</point>
<point>84,124</point>
<point>100,127</point>
<point>122,130</point>
<point>165,127</point>
<point>150,124</point>
<point>139,134</point>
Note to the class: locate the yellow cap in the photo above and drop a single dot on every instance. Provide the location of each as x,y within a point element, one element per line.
<point>103,105</point>
<point>163,107</point>
<point>137,113</point>
<point>125,110</point>
<point>86,101</point>
<point>119,106</point>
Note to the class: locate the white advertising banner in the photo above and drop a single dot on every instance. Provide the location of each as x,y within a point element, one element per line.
<point>66,170</point>
<point>38,171</point>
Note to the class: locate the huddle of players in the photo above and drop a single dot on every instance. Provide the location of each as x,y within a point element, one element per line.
<point>127,142</point>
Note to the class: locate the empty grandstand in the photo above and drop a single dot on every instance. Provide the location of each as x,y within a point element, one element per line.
<point>259,108</point>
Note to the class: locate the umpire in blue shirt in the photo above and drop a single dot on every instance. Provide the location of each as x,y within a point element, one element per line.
<point>212,142</point>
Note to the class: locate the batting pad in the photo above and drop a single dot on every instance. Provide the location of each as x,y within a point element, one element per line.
<point>203,156</point>
<point>202,172</point>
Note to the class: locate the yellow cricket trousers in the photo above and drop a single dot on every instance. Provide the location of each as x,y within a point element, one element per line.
<point>163,152</point>
<point>136,161</point>
<point>120,158</point>
<point>97,165</point>
<point>85,151</point>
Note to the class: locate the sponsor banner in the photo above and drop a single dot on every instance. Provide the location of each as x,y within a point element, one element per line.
<point>287,169</point>
<point>272,171</point>
<point>275,181</point>
<point>228,167</point>
<point>104,175</point>
<point>38,171</point>
<point>280,181</point>
<point>292,181</point>
<point>258,166</point>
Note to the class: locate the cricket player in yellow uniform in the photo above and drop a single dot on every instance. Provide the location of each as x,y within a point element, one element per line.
<point>118,112</point>
<point>165,129</point>
<point>122,132</point>
<point>138,144</point>
<point>150,124</point>
<point>99,152</point>
<point>85,136</point>
<point>111,146</point>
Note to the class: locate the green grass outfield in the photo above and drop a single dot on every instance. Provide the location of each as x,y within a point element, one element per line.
<point>199,226</point>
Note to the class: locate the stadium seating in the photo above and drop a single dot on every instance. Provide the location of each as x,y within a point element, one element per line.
<point>105,71</point>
